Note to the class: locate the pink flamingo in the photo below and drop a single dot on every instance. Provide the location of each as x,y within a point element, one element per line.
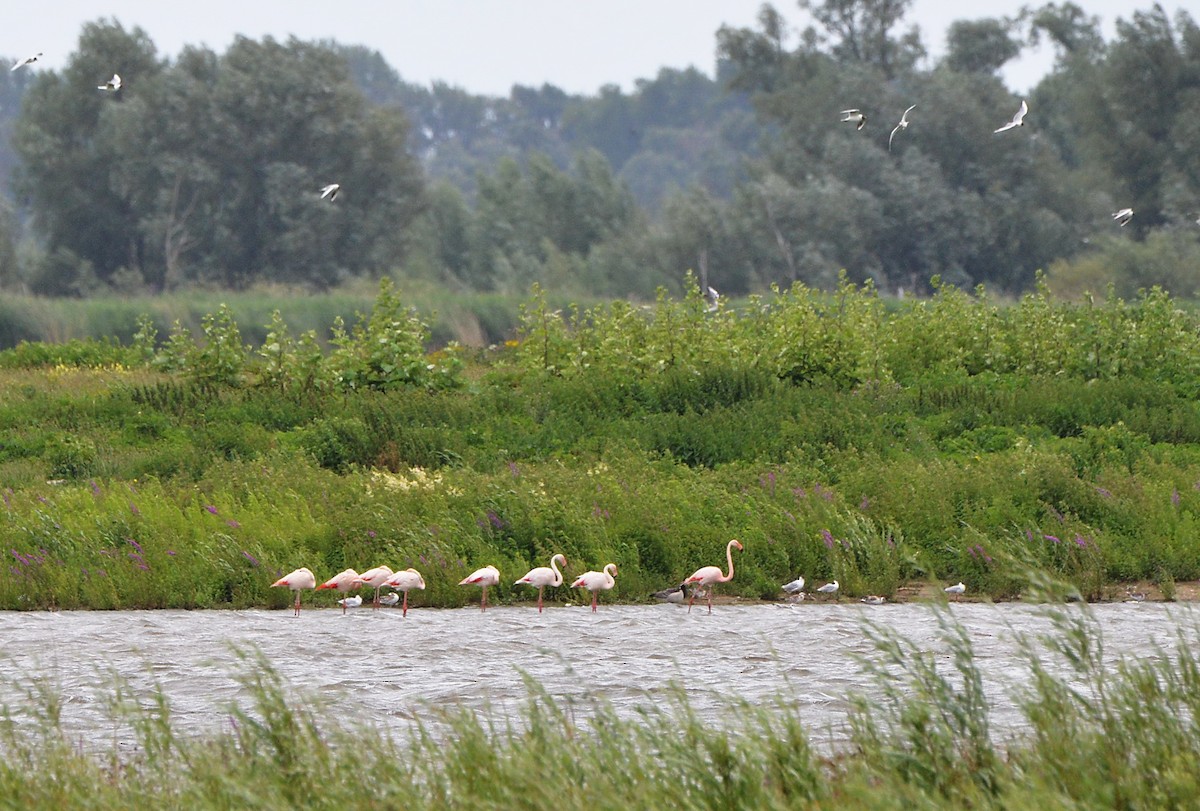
<point>487,576</point>
<point>376,578</point>
<point>297,580</point>
<point>344,581</point>
<point>596,582</point>
<point>404,581</point>
<point>543,576</point>
<point>707,575</point>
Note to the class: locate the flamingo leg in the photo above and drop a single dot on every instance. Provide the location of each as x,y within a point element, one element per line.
<point>343,606</point>
<point>594,596</point>
<point>405,609</point>
<point>483,601</point>
<point>540,599</point>
<point>297,604</point>
<point>710,591</point>
<point>376,603</point>
<point>691,600</point>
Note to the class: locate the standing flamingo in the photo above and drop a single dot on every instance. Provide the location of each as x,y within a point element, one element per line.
<point>404,581</point>
<point>543,576</point>
<point>297,580</point>
<point>707,575</point>
<point>376,578</point>
<point>344,581</point>
<point>596,581</point>
<point>487,576</point>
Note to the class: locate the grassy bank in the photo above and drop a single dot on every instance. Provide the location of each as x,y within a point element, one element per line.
<point>1095,736</point>
<point>949,440</point>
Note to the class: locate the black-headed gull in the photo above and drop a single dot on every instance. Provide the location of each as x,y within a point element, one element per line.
<point>903,125</point>
<point>29,60</point>
<point>674,595</point>
<point>1123,216</point>
<point>1018,119</point>
<point>955,590</point>
<point>795,586</point>
<point>714,299</point>
<point>331,191</point>
<point>113,84</point>
<point>855,116</point>
<point>830,588</point>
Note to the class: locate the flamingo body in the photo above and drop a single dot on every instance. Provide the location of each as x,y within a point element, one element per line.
<point>302,578</point>
<point>543,576</point>
<point>405,581</point>
<point>376,578</point>
<point>343,581</point>
<point>596,582</point>
<point>487,576</point>
<point>708,575</point>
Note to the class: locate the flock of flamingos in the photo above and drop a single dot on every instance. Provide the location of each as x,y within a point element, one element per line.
<point>383,577</point>
<point>698,584</point>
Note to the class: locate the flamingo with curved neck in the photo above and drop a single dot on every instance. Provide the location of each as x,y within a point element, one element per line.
<point>596,582</point>
<point>543,576</point>
<point>708,575</point>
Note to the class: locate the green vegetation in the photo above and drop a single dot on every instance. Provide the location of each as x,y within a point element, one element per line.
<point>1094,736</point>
<point>837,438</point>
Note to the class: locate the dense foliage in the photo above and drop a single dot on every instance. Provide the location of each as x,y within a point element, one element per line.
<point>949,439</point>
<point>204,169</point>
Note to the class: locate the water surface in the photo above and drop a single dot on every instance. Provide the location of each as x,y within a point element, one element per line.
<point>376,666</point>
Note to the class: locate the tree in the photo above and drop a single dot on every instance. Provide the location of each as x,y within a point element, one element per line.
<point>861,31</point>
<point>980,46</point>
<point>209,170</point>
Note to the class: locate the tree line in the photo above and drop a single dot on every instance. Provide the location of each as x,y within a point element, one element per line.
<point>205,169</point>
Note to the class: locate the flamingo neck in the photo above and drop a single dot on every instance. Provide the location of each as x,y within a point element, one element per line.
<point>558,578</point>
<point>725,578</point>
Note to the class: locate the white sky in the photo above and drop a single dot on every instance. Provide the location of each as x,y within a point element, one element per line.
<point>486,46</point>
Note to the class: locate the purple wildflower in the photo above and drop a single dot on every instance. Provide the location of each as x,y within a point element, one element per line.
<point>865,504</point>
<point>827,536</point>
<point>1103,492</point>
<point>143,567</point>
<point>768,481</point>
<point>134,544</point>
<point>249,557</point>
<point>95,488</point>
<point>1029,534</point>
<point>1080,541</point>
<point>370,533</point>
<point>171,552</point>
<point>1051,538</point>
<point>800,492</point>
<point>494,519</point>
<point>211,508</point>
<point>231,522</point>
<point>512,468</point>
<point>133,509</point>
<point>1056,513</point>
<point>1174,497</point>
<point>101,573</point>
<point>422,559</point>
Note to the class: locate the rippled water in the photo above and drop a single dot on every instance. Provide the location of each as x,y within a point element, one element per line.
<point>377,666</point>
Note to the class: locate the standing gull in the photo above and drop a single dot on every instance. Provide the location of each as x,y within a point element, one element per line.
<point>903,125</point>
<point>1018,120</point>
<point>956,590</point>
<point>855,116</point>
<point>795,586</point>
<point>830,588</point>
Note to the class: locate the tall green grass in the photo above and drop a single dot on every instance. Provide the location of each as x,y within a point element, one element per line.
<point>1093,734</point>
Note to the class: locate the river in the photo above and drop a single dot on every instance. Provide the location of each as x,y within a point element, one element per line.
<point>379,668</point>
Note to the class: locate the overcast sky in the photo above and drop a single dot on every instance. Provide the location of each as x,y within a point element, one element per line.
<point>486,46</point>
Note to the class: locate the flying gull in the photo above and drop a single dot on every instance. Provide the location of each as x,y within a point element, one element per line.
<point>1018,119</point>
<point>1123,216</point>
<point>903,125</point>
<point>855,116</point>
<point>331,191</point>
<point>29,60</point>
<point>113,84</point>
